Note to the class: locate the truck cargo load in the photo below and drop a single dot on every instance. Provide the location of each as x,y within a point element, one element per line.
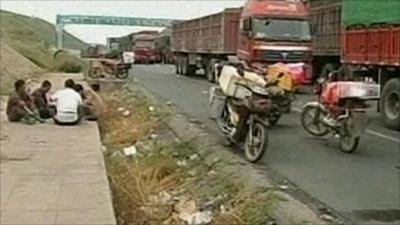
<point>369,12</point>
<point>216,33</point>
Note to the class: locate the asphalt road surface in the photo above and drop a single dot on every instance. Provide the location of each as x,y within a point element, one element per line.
<point>363,186</point>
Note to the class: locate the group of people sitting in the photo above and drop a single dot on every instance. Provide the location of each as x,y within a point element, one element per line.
<point>66,106</point>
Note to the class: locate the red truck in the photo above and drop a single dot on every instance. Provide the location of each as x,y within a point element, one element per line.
<point>144,47</point>
<point>363,39</point>
<point>262,32</point>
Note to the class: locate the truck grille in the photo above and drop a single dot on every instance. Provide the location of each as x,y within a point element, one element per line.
<point>289,56</point>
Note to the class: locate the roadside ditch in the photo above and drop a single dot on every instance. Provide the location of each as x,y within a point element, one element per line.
<point>165,170</point>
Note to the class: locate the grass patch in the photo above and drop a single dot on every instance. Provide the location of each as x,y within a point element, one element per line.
<point>165,178</point>
<point>67,63</point>
<point>128,118</point>
<point>34,38</point>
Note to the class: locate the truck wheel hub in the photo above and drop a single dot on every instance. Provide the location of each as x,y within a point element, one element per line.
<point>393,105</point>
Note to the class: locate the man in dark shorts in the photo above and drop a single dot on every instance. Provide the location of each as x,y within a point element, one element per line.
<point>40,99</point>
<point>20,106</point>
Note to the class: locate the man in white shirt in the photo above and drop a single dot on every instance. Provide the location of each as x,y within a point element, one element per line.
<point>67,102</point>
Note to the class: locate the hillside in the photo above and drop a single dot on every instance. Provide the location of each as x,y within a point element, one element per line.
<point>33,37</point>
<point>14,66</point>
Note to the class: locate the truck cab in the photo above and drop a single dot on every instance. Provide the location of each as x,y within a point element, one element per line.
<point>274,31</point>
<point>145,47</point>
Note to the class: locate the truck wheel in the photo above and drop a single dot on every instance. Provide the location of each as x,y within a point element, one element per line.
<point>184,66</point>
<point>210,71</point>
<point>390,104</point>
<point>177,65</point>
<point>191,70</point>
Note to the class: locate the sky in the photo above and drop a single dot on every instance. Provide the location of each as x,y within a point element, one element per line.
<point>184,9</point>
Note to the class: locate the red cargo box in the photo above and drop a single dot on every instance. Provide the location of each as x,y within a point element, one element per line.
<point>217,33</point>
<point>385,43</point>
<point>355,46</point>
<point>372,46</point>
<point>395,47</point>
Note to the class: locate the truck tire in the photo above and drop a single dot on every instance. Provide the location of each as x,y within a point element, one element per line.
<point>178,65</point>
<point>390,104</point>
<point>191,70</point>
<point>209,69</point>
<point>184,65</point>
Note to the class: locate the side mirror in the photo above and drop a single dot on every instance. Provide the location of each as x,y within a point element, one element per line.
<point>247,26</point>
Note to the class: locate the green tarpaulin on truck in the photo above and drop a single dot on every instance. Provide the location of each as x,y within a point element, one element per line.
<point>368,12</point>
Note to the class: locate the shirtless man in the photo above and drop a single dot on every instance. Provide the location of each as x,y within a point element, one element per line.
<point>20,106</point>
<point>40,99</point>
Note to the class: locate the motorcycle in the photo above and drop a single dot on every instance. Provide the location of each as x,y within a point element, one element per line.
<point>121,70</point>
<point>100,67</point>
<point>279,82</point>
<point>242,114</point>
<point>340,110</point>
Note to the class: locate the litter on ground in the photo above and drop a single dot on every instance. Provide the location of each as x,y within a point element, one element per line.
<point>130,151</point>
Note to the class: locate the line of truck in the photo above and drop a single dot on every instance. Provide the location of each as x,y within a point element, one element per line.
<point>142,43</point>
<point>359,38</point>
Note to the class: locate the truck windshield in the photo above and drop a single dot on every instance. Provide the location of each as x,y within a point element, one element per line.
<point>145,44</point>
<point>281,29</point>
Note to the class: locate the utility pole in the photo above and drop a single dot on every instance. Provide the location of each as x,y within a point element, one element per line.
<point>60,35</point>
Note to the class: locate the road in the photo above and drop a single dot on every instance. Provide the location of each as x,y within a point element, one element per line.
<point>363,186</point>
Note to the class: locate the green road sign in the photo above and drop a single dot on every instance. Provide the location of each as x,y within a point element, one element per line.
<point>63,20</point>
<point>113,20</point>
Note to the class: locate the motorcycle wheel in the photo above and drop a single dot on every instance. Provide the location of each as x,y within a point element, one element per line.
<point>122,74</point>
<point>256,142</point>
<point>313,125</point>
<point>94,72</point>
<point>273,120</point>
<point>348,144</point>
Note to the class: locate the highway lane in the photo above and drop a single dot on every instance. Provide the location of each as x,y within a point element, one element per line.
<point>363,186</point>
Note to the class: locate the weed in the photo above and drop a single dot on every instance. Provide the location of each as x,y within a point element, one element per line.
<point>138,182</point>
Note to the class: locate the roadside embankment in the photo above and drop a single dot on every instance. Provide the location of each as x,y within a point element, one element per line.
<point>14,66</point>
<point>27,46</point>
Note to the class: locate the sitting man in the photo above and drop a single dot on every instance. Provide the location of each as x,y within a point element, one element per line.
<point>40,100</point>
<point>67,103</point>
<point>89,98</point>
<point>20,106</point>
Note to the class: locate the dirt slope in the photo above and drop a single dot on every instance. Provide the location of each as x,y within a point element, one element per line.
<point>34,38</point>
<point>14,66</point>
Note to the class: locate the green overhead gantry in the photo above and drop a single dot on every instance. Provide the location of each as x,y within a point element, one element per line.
<point>63,20</point>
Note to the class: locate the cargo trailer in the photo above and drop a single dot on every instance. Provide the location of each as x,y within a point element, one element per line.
<point>362,39</point>
<point>260,33</point>
<point>201,40</point>
<point>163,46</point>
